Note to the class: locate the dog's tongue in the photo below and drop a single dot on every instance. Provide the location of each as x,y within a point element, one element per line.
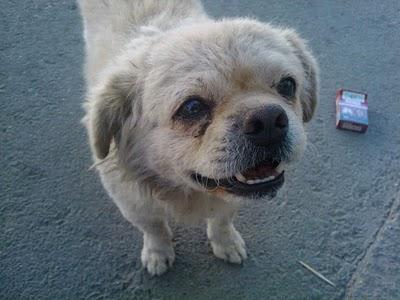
<point>265,170</point>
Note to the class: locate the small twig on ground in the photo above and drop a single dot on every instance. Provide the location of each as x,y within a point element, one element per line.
<point>317,273</point>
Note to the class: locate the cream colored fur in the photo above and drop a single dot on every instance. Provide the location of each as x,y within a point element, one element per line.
<point>143,58</point>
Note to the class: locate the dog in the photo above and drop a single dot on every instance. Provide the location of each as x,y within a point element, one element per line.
<point>190,117</point>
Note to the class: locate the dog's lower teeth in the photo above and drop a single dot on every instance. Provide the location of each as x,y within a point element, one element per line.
<point>240,177</point>
<point>260,180</point>
<point>269,178</point>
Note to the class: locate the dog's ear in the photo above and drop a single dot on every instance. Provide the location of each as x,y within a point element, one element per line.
<point>108,108</point>
<point>309,93</point>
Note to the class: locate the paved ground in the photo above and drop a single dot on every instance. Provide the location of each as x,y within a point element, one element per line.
<point>62,238</point>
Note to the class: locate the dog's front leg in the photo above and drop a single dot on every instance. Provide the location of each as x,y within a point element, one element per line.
<point>158,252</point>
<point>147,216</point>
<point>226,242</point>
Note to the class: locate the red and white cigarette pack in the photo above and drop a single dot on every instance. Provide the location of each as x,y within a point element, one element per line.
<point>351,110</point>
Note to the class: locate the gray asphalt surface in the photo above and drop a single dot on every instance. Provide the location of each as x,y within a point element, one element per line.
<point>62,238</point>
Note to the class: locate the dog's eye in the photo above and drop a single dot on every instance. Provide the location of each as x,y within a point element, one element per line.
<point>287,87</point>
<point>193,108</point>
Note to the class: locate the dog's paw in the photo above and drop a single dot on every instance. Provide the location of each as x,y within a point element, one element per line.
<point>229,247</point>
<point>157,261</point>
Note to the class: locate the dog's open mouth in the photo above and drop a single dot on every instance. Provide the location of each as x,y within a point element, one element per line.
<point>264,179</point>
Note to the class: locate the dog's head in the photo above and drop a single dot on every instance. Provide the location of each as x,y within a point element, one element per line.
<point>218,107</point>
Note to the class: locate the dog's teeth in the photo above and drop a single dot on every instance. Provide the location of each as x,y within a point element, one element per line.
<point>269,178</point>
<point>240,177</point>
<point>266,179</point>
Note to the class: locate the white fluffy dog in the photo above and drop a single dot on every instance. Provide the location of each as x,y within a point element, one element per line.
<point>188,116</point>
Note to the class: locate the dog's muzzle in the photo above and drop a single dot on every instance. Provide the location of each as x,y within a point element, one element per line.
<point>264,131</point>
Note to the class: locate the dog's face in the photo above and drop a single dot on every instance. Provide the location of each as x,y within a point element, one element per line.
<point>216,107</point>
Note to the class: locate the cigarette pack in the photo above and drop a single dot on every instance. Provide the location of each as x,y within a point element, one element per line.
<point>351,110</point>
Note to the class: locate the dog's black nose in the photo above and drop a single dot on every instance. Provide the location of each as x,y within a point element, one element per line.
<point>267,126</point>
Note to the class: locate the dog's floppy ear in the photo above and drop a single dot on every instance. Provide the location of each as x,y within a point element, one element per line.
<point>109,106</point>
<point>309,93</point>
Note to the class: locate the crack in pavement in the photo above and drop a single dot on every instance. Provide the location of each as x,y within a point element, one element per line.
<point>394,209</point>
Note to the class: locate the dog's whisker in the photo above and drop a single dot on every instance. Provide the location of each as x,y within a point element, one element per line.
<point>98,163</point>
